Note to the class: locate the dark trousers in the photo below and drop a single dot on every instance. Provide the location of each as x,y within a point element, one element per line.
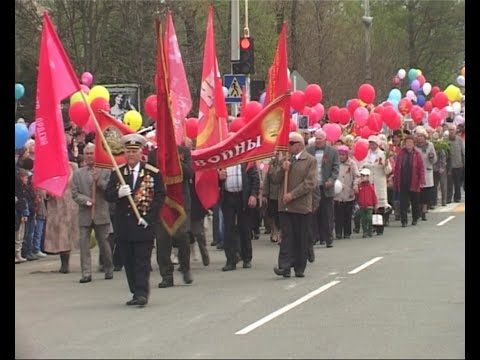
<point>365,215</point>
<point>439,180</point>
<point>115,246</point>
<point>325,218</point>
<point>295,241</point>
<point>454,182</point>
<point>256,219</point>
<point>407,197</point>
<point>218,226</point>
<point>136,259</point>
<point>343,218</point>
<point>164,244</point>
<point>232,208</point>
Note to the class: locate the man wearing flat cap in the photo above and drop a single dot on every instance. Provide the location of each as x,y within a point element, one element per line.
<point>144,183</point>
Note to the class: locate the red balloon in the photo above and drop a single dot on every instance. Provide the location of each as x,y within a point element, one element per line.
<point>366,93</point>
<point>396,122</point>
<point>404,106</point>
<point>313,94</point>
<point>434,119</point>
<point>307,111</point>
<point>100,103</point>
<point>237,124</point>
<point>441,100</point>
<point>313,118</point>
<point>191,127</point>
<point>421,79</point>
<point>396,81</point>
<point>293,125</point>
<point>417,114</point>
<point>428,106</point>
<point>343,116</point>
<point>434,91</point>
<point>297,100</point>
<point>360,149</point>
<point>379,109</point>
<point>375,122</point>
<point>251,110</point>
<point>78,113</point>
<point>365,132</point>
<point>333,114</point>
<point>320,109</point>
<point>387,103</point>
<point>352,105</point>
<point>151,106</point>
<point>388,115</point>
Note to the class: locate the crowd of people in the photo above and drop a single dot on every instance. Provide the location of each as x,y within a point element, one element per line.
<point>317,193</point>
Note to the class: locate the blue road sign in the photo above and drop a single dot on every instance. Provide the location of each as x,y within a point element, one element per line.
<point>235,84</point>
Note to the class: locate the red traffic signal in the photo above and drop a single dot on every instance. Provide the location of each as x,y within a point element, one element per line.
<point>245,65</point>
<point>245,43</point>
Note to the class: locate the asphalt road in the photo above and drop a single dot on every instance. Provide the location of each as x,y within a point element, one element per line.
<point>408,303</point>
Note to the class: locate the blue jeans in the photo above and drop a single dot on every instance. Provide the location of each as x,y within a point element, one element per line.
<point>37,235</point>
<point>218,225</point>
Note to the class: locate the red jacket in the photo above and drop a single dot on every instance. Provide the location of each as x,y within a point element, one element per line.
<point>418,171</point>
<point>366,196</point>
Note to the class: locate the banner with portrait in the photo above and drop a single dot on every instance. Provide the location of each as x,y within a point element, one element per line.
<point>123,98</point>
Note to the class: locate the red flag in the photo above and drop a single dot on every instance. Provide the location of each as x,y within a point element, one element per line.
<point>212,117</point>
<point>256,140</point>
<point>278,84</point>
<point>112,130</point>
<point>172,213</point>
<point>56,80</point>
<point>179,90</point>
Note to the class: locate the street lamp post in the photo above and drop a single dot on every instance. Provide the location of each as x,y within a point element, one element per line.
<point>367,21</point>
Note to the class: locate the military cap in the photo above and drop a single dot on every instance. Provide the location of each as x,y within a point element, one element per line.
<point>133,141</point>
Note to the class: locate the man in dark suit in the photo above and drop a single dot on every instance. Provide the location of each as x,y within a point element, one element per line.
<point>144,183</point>
<point>164,241</point>
<point>328,165</point>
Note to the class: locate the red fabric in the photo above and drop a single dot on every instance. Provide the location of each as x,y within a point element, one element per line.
<point>172,212</point>
<point>256,140</point>
<point>418,171</point>
<point>113,130</point>
<point>56,80</point>
<point>179,90</point>
<point>366,196</point>
<point>212,117</point>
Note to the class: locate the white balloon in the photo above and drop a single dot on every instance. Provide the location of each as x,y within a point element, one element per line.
<point>457,107</point>
<point>459,120</point>
<point>338,186</point>
<point>410,94</point>
<point>225,91</point>
<point>401,74</point>
<point>427,87</point>
<point>461,80</point>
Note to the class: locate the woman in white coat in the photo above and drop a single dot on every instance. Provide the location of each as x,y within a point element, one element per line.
<point>379,167</point>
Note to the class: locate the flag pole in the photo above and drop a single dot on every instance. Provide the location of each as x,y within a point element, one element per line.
<point>109,152</point>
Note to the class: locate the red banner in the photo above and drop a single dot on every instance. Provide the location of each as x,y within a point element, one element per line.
<point>172,212</point>
<point>278,72</point>
<point>179,90</point>
<point>212,117</point>
<point>112,130</point>
<point>56,80</point>
<point>256,140</point>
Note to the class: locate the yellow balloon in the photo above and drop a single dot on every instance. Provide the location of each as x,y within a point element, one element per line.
<point>459,95</point>
<point>419,72</point>
<point>98,91</point>
<point>76,97</point>
<point>452,92</point>
<point>133,120</point>
<point>362,103</point>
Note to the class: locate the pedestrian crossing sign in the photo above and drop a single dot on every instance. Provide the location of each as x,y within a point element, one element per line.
<point>235,84</point>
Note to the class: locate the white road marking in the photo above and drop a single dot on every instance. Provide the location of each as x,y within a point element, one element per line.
<point>446,220</point>
<point>368,263</point>
<point>284,309</point>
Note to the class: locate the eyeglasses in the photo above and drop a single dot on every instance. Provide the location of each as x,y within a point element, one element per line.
<point>293,142</point>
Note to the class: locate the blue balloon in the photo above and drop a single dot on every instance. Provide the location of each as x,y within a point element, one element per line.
<point>21,135</point>
<point>395,94</point>
<point>420,100</point>
<point>19,91</point>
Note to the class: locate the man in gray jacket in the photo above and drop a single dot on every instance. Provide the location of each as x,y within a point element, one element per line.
<point>328,165</point>
<point>88,191</point>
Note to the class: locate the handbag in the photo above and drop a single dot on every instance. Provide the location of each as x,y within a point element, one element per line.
<point>377,219</point>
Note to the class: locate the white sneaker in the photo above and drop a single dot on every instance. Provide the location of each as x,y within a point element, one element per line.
<point>40,254</point>
<point>19,259</point>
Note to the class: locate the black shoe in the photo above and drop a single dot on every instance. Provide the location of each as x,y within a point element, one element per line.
<point>108,276</point>
<point>322,242</point>
<point>117,268</point>
<point>247,264</point>
<point>364,236</point>
<point>424,217</point>
<point>132,302</point>
<point>187,277</point>
<point>219,247</point>
<point>414,222</point>
<point>142,301</point>
<point>379,233</point>
<point>85,279</point>
<point>256,236</point>
<point>311,256</point>
<point>356,231</point>
<point>339,237</point>
<point>213,243</point>
<point>267,231</point>
<point>404,224</point>
<point>329,245</point>
<point>431,207</point>
<point>166,282</point>
<point>206,261</point>
<point>346,236</point>
<point>282,272</point>
<point>299,274</point>
<point>229,267</point>
<point>31,257</point>
<point>180,269</point>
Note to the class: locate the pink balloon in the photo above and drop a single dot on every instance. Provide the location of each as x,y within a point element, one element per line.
<point>353,104</point>
<point>366,93</point>
<point>293,125</point>
<point>297,100</point>
<point>360,115</point>
<point>85,88</point>
<point>89,126</point>
<point>251,110</point>
<point>343,116</point>
<point>319,108</point>
<point>333,131</point>
<point>313,94</point>
<point>236,124</point>
<point>417,114</point>
<point>434,119</point>
<point>360,149</point>
<point>421,79</point>
<point>333,114</point>
<point>313,119</point>
<point>86,78</point>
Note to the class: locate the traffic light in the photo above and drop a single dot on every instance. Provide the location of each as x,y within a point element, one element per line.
<point>246,63</point>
